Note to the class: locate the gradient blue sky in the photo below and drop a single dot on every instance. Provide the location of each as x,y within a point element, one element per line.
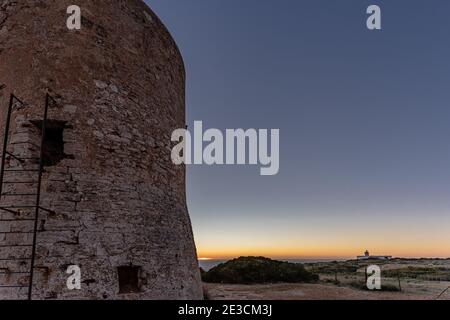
<point>364,119</point>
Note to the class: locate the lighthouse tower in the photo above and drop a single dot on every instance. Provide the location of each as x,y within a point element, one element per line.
<point>88,189</point>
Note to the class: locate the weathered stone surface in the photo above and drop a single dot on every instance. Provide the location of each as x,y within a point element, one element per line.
<point>116,199</point>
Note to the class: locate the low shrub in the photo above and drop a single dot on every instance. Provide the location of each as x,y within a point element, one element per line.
<point>258,270</point>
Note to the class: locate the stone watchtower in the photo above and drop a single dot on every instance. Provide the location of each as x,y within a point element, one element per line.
<point>110,199</point>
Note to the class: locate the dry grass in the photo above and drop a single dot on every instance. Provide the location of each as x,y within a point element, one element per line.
<point>420,279</point>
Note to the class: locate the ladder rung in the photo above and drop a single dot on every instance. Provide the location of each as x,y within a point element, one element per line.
<point>10,211</point>
<point>18,100</point>
<point>15,220</point>
<point>15,245</point>
<point>22,170</point>
<point>20,182</point>
<point>47,210</point>
<point>26,142</point>
<point>15,157</point>
<point>15,272</point>
<point>13,211</point>
<point>20,158</point>
<point>16,232</point>
<point>17,207</point>
<point>18,195</point>
<point>14,259</point>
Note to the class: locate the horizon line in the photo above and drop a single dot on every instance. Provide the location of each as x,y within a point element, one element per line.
<point>317,258</point>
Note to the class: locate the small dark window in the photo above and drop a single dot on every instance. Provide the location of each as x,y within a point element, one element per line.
<point>53,149</point>
<point>128,279</point>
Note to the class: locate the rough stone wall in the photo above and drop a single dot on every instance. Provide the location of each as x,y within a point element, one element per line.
<point>116,198</point>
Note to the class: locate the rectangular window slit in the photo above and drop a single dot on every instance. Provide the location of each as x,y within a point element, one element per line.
<point>129,279</point>
<point>53,149</point>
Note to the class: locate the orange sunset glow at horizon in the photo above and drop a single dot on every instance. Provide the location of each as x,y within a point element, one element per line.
<point>207,255</point>
<point>435,245</point>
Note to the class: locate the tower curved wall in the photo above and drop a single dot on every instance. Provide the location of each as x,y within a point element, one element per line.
<point>116,202</point>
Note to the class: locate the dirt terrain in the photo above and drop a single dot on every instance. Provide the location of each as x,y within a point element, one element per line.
<point>317,292</point>
<point>414,279</point>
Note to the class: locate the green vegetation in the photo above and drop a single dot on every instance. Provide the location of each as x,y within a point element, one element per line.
<point>384,287</point>
<point>258,270</point>
<point>434,270</point>
<point>430,273</point>
<point>343,267</point>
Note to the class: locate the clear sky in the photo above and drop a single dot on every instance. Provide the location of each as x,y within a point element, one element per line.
<point>364,119</point>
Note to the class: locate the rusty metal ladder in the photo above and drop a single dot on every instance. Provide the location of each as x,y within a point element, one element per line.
<point>17,257</point>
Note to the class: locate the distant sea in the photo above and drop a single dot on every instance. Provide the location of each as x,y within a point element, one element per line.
<point>209,264</point>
